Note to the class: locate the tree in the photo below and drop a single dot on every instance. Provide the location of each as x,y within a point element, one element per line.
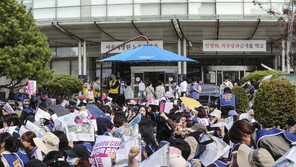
<point>275,102</point>
<point>64,85</point>
<point>24,51</point>
<point>286,22</point>
<point>257,76</point>
<point>241,99</point>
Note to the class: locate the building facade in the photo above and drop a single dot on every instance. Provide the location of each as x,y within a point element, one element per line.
<point>76,28</point>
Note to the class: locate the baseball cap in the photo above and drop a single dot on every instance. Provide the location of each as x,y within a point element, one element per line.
<point>232,112</point>
<point>78,151</point>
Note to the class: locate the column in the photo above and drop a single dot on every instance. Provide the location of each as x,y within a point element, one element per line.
<point>288,56</point>
<point>185,55</point>
<point>84,58</point>
<point>275,62</point>
<point>79,58</point>
<point>283,56</point>
<point>179,53</point>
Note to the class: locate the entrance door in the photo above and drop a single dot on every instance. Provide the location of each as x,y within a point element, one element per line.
<point>154,77</point>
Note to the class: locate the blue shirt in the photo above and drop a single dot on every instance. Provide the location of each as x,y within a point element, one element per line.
<point>194,94</point>
<point>27,105</point>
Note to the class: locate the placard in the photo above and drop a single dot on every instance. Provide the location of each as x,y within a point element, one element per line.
<point>32,86</point>
<point>8,109</point>
<point>106,46</point>
<point>80,132</point>
<point>234,45</point>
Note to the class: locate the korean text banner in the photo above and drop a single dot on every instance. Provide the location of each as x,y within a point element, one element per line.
<point>234,45</point>
<point>105,46</point>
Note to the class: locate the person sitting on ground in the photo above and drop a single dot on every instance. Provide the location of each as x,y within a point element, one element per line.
<point>27,139</point>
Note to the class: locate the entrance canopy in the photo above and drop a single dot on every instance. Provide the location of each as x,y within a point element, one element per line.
<point>147,53</point>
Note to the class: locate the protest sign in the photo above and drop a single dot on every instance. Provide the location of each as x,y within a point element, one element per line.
<point>266,78</point>
<point>161,107</point>
<point>32,86</point>
<point>40,114</point>
<point>8,109</point>
<point>136,120</point>
<point>168,106</point>
<point>80,132</point>
<point>8,129</point>
<point>105,145</point>
<point>127,131</point>
<point>227,122</point>
<point>159,158</point>
<point>153,102</point>
<point>32,127</point>
<point>124,148</point>
<point>100,162</point>
<point>214,150</point>
<point>23,130</point>
<point>54,101</point>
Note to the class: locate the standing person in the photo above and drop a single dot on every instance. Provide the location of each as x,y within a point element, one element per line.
<point>128,92</point>
<point>42,101</point>
<point>142,89</point>
<point>227,102</point>
<point>96,87</point>
<point>150,93</point>
<point>174,89</point>
<point>159,91</point>
<point>8,152</point>
<point>250,89</point>
<point>183,88</point>
<point>121,97</point>
<point>26,99</point>
<point>225,84</point>
<point>113,87</point>
<point>194,89</point>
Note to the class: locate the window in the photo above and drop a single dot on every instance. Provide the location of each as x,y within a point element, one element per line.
<point>98,11</point>
<point>229,8</point>
<point>201,8</point>
<point>67,51</point>
<point>68,12</point>
<point>43,3</point>
<point>44,13</point>
<point>120,10</point>
<point>85,11</point>
<point>278,7</point>
<point>147,9</point>
<point>146,1</point>
<point>68,2</point>
<point>173,0</point>
<point>172,9</point>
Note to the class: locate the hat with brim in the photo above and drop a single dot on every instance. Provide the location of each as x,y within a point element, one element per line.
<point>193,145</point>
<point>49,142</point>
<point>78,151</point>
<point>247,157</point>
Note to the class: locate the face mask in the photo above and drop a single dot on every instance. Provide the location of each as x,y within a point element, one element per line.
<point>71,161</point>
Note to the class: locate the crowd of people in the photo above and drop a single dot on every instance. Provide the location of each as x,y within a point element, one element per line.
<point>213,135</point>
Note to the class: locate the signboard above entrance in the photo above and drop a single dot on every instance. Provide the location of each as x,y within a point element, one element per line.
<point>105,46</point>
<point>234,45</point>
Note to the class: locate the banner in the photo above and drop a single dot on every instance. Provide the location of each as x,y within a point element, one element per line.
<point>32,86</point>
<point>168,106</point>
<point>23,130</point>
<point>8,129</point>
<point>159,158</point>
<point>106,46</point>
<point>80,132</point>
<point>8,109</point>
<point>100,162</point>
<point>124,148</point>
<point>234,45</point>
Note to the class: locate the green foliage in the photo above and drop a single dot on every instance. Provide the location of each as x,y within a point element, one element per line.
<point>275,102</point>
<point>24,51</point>
<point>62,84</point>
<point>257,76</point>
<point>241,99</point>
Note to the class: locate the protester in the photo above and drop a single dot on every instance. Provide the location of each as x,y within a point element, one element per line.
<point>26,99</point>
<point>113,88</point>
<point>183,87</point>
<point>159,90</point>
<point>121,97</point>
<point>142,89</point>
<point>49,142</point>
<point>174,89</point>
<point>225,84</point>
<point>27,139</point>
<point>42,101</point>
<point>194,89</point>
<point>250,89</point>
<point>227,102</point>
<point>150,93</point>
<point>96,87</point>
<point>128,92</point>
<point>78,156</point>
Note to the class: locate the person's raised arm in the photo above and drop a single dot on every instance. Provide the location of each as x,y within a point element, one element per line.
<point>134,151</point>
